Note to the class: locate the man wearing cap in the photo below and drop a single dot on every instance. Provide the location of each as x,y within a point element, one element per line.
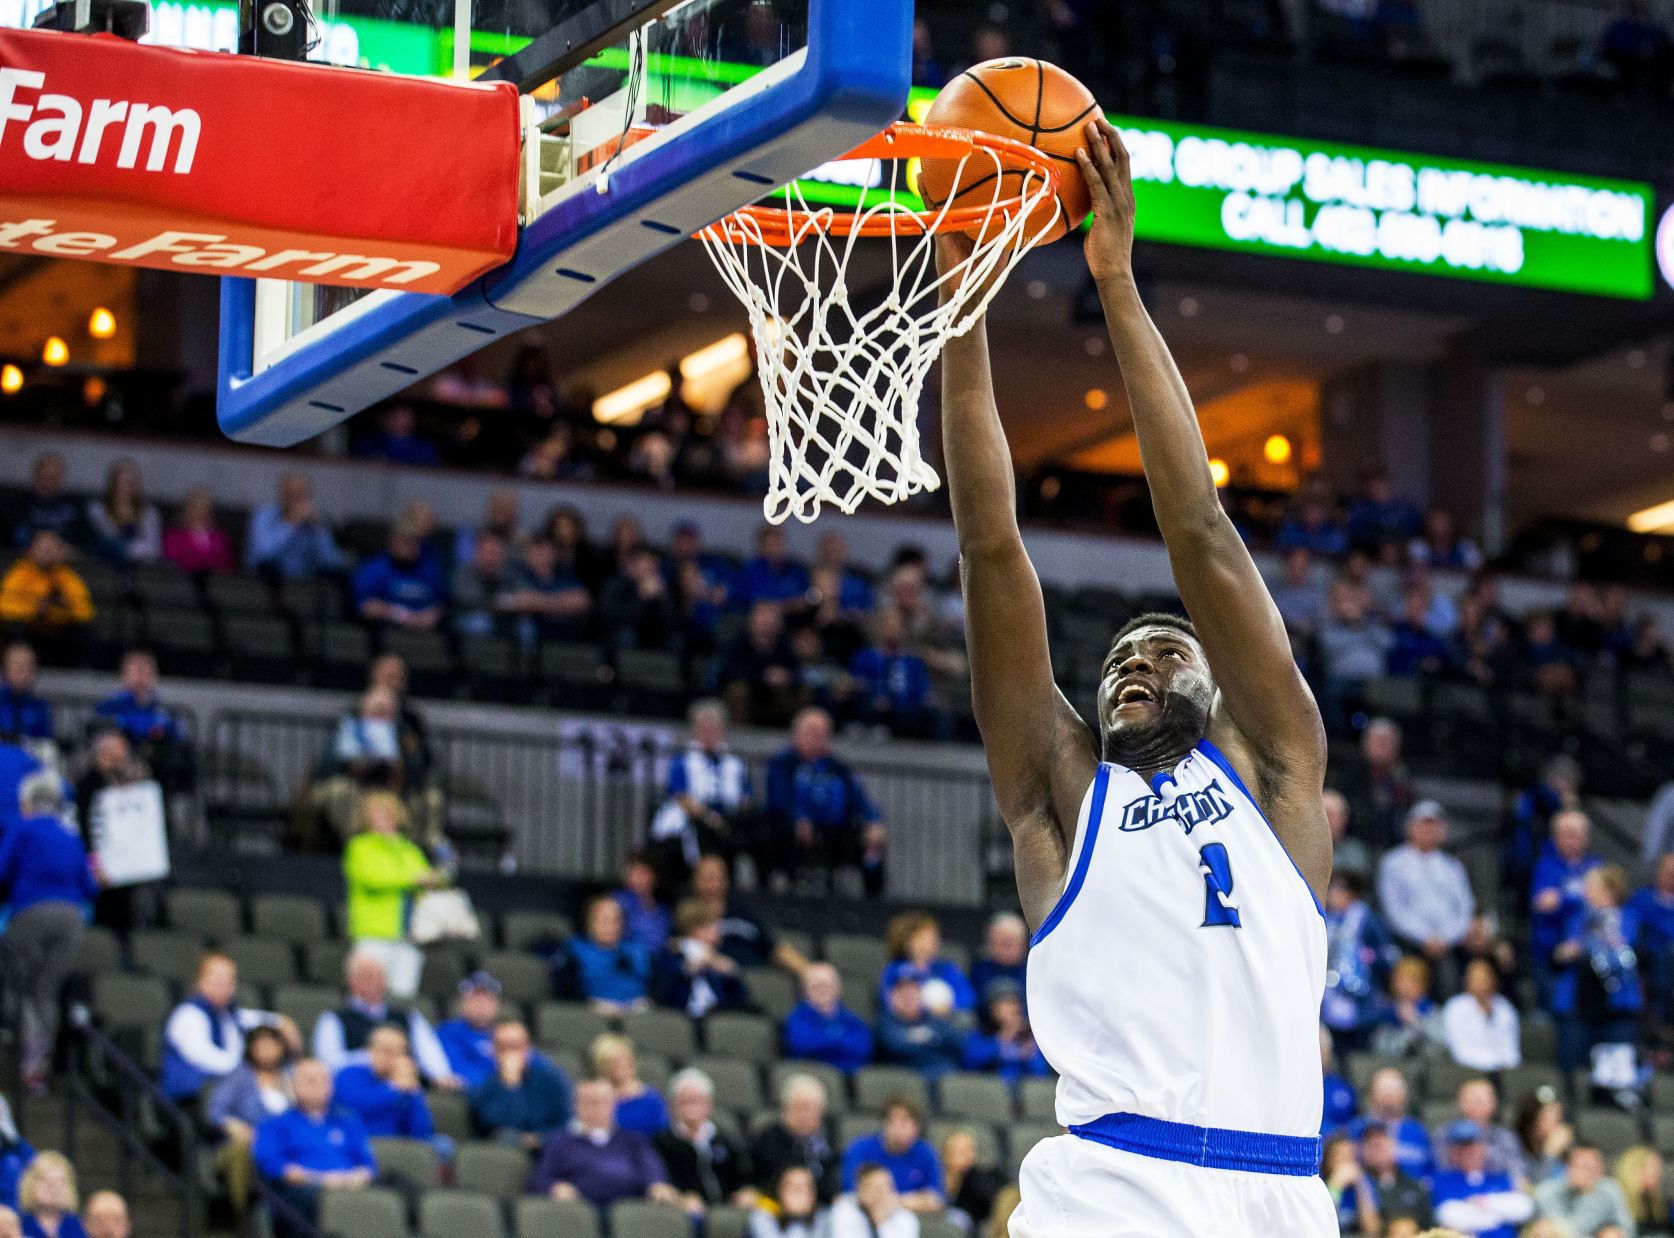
<point>1477,1101</point>
<point>1584,1199</point>
<point>1469,1197</point>
<point>468,1037</point>
<point>1425,894</point>
<point>1399,1194</point>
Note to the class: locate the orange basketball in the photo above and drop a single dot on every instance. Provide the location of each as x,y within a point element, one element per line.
<point>1027,100</point>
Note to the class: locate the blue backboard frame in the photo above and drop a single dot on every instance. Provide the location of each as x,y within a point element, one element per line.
<point>854,81</point>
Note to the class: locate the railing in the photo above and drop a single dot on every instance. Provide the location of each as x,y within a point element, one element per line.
<point>98,1068</point>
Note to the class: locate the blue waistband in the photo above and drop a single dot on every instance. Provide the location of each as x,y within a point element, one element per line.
<point>1207,1146</point>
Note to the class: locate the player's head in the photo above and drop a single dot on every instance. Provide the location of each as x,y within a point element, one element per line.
<point>1155,690</point>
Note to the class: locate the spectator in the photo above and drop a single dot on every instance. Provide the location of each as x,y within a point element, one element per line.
<point>1659,827</point>
<point>1555,891</point>
<point>791,1209</point>
<point>1478,1101</point>
<point>1441,546</point>
<point>1471,1198</point>
<point>1558,788</point>
<point>1005,954</point>
<point>46,506</point>
<point>798,1140</point>
<point>1354,644</point>
<point>397,441</point>
<point>46,884</point>
<point>468,1037</point>
<point>1551,665</point>
<point>1386,1104</point>
<point>608,971</point>
<point>1299,594</point>
<point>707,1166</point>
<point>1352,1193</point>
<point>125,528</point>
<point>1377,516</point>
<point>384,871</point>
<point>258,1089</point>
<point>635,608</point>
<point>484,589</point>
<point>759,673</point>
<point>644,919</point>
<point>892,683</point>
<point>1400,1195</point>
<point>366,754</point>
<point>594,1159</point>
<point>1359,955</point>
<point>1544,1133</point>
<point>289,539</point>
<point>874,1210</point>
<point>915,946</point>
<point>524,1095</point>
<point>1004,1044</point>
<point>389,674</point>
<point>203,1040</point>
<point>818,815</point>
<point>1409,1017</point>
<point>691,973</point>
<point>112,766</point>
<point>708,809</point>
<point>744,939</point>
<point>1341,1104</point>
<point>312,1148</point>
<point>15,1155</point>
<point>1313,529</point>
<point>639,1106</point>
<point>105,1215</point>
<point>25,715</point>
<point>1415,650</point>
<point>909,1035</point>
<point>1378,788</point>
<point>971,1188</point>
<point>1425,895</point>
<point>1480,1025</point>
<point>575,552</point>
<point>1481,645</point>
<point>1652,909</point>
<point>42,597</point>
<point>551,599</point>
<point>341,1035</point>
<point>1482,941</point>
<point>1596,992</point>
<point>47,1199</point>
<point>402,586</point>
<point>772,576</point>
<point>383,1091</point>
<point>501,518</point>
<point>900,1147</point>
<point>1584,1199</point>
<point>822,1029</point>
<point>197,544</point>
<point>155,732</point>
<point>1349,855</point>
<point>1639,1174</point>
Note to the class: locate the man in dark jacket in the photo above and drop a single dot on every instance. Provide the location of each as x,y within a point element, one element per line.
<point>706,1164</point>
<point>818,817</point>
<point>525,1097</point>
<point>798,1138</point>
<point>596,1160</point>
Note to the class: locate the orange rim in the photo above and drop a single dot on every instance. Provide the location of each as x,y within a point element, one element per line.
<point>783,226</point>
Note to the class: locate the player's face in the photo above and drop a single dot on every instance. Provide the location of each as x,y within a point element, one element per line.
<point>1155,690</point>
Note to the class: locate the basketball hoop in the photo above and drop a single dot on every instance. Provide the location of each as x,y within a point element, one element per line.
<point>842,381</point>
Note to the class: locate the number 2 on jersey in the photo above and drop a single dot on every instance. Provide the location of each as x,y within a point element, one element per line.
<point>1218,907</point>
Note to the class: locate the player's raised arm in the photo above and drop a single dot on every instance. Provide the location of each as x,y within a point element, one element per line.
<point>1249,652</point>
<point>1041,755</point>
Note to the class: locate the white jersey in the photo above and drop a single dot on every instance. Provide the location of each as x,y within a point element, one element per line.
<point>1179,976</point>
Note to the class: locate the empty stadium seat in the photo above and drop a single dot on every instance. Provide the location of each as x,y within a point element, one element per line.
<point>737,1084</point>
<point>570,1025</point>
<point>772,990</point>
<point>304,1004</point>
<point>100,951</point>
<point>123,1000</point>
<point>937,1225</point>
<point>874,1086</point>
<point>632,1218</point>
<point>445,965</point>
<point>858,958</point>
<point>213,913</point>
<point>551,1218</point>
<point>289,917</point>
<point>410,1162</point>
<point>852,1126</point>
<point>451,1111</point>
<point>491,1168</point>
<point>1613,1130</point>
<point>523,978</point>
<point>262,960</point>
<point>322,962</point>
<point>1038,1100</point>
<point>668,1032</point>
<point>726,1222</point>
<point>454,1214</point>
<point>1442,1077</point>
<point>979,1097</point>
<point>172,954</point>
<point>371,1213</point>
<point>520,930</point>
<point>748,1037</point>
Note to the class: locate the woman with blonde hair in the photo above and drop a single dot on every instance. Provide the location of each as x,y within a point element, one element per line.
<point>915,945</point>
<point>384,871</point>
<point>1639,1173</point>
<point>639,1106</point>
<point>1409,1020</point>
<point>47,1199</point>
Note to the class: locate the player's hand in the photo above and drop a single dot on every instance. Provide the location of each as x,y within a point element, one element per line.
<point>1105,165</point>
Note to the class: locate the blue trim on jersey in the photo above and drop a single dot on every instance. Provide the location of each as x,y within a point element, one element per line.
<point>1101,783</point>
<point>1209,1147</point>
<point>1219,758</point>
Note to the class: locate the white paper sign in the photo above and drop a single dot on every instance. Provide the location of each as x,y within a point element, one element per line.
<point>130,835</point>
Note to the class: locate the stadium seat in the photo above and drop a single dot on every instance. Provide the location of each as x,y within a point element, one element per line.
<point>491,1168</point>
<point>796,939</point>
<point>568,1025</point>
<point>1362,1066</point>
<point>454,1213</point>
<point>172,954</point>
<point>1539,1040</point>
<point>184,638</point>
<point>836,1086</point>
<point>490,657</point>
<point>235,593</point>
<point>1039,1100</point>
<point>214,914</point>
<point>345,645</point>
<point>550,1218</point>
<point>989,1151</point>
<point>1662,1095</point>
<point>1437,1111</point>
<point>261,645</point>
<point>1442,1077</point>
<point>571,663</point>
<point>959,954</point>
<point>100,951</point>
<point>737,1084</point>
<point>1663,1127</point>
<point>311,599</point>
<point>772,990</point>
<point>1026,1135</point>
<point>409,1162</point>
<point>161,586</point>
<point>519,930</point>
<point>262,960</point>
<point>668,1032</point>
<point>655,1070</point>
<point>451,1111</point>
<point>371,1213</point>
<point>981,1098</point>
<point>1613,1130</point>
<point>852,1126</point>
<point>632,1218</point>
<point>322,962</point>
<point>861,997</point>
<point>123,1000</point>
<point>303,1004</point>
<point>874,1086</point>
<point>289,917</point>
<point>1521,1080</point>
<point>937,1225</point>
<point>726,1222</point>
<point>858,958</point>
<point>445,965</point>
<point>523,978</point>
<point>747,1037</point>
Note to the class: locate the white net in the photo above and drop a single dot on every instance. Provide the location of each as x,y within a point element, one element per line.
<point>842,379</point>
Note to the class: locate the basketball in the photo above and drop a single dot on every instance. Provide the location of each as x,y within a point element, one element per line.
<point>1027,100</point>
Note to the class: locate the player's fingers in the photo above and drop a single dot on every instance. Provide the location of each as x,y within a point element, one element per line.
<point>1113,139</point>
<point>1103,203</point>
<point>1099,152</point>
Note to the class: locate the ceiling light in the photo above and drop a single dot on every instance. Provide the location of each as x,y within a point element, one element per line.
<point>101,325</point>
<point>55,351</point>
<point>627,403</point>
<point>1096,399</point>
<point>1220,473</point>
<point>717,356</point>
<point>11,380</point>
<point>1652,519</point>
<point>1277,449</point>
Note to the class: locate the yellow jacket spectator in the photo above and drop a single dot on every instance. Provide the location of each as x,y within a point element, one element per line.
<point>383,870</point>
<point>41,590</point>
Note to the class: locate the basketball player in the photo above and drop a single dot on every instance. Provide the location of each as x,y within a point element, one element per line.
<point>1172,865</point>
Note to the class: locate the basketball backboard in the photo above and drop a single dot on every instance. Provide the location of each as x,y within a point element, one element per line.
<point>646,121</point>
